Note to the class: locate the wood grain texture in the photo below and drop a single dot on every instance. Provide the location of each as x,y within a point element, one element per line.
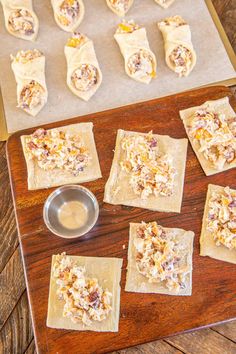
<point>205,341</point>
<point>17,332</point>
<point>8,233</point>
<point>12,285</point>
<point>228,330</point>
<point>213,297</point>
<point>160,347</point>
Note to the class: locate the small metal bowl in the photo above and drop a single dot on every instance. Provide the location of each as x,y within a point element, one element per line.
<point>70,211</point>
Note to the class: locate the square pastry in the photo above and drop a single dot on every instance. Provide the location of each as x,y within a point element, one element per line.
<point>165,3</point>
<point>147,171</point>
<point>159,260</point>
<point>218,236</point>
<point>84,293</point>
<point>63,155</point>
<point>211,129</point>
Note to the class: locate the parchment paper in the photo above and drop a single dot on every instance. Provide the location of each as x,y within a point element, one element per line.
<point>99,24</point>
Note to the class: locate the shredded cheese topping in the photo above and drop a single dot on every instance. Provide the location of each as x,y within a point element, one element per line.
<point>141,64</point>
<point>160,257</point>
<point>24,56</point>
<point>68,12</point>
<point>77,40</point>
<point>85,300</point>
<point>215,136</point>
<point>181,58</point>
<point>150,171</point>
<point>120,5</point>
<point>221,218</point>
<point>175,21</point>
<point>57,149</point>
<point>127,27</point>
<point>21,21</point>
<point>85,77</point>
<point>32,95</point>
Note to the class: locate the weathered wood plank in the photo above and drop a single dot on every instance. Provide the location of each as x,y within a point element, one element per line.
<point>31,348</point>
<point>8,233</point>
<point>17,333</point>
<point>228,330</point>
<point>205,341</point>
<point>160,347</point>
<point>12,285</point>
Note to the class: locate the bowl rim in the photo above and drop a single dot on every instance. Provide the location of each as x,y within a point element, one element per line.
<point>56,192</point>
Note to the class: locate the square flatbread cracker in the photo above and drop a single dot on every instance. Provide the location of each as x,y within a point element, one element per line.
<point>39,178</point>
<point>138,283</point>
<point>208,246</point>
<point>221,106</point>
<point>119,191</point>
<point>108,273</point>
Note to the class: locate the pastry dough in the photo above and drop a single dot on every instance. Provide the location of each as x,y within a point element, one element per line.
<point>140,61</point>
<point>108,273</point>
<point>137,282</point>
<point>208,246</point>
<point>179,53</point>
<point>120,7</point>
<point>83,72</point>
<point>20,19</point>
<point>222,107</point>
<point>29,70</point>
<point>119,191</point>
<point>39,178</point>
<point>68,14</point>
<point>165,3</point>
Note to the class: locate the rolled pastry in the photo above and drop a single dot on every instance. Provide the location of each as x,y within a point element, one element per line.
<point>165,3</point>
<point>140,61</point>
<point>83,73</point>
<point>120,7</point>
<point>68,14</point>
<point>20,19</point>
<point>29,69</point>
<point>180,55</point>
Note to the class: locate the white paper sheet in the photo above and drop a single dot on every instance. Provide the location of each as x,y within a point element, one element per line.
<point>99,24</point>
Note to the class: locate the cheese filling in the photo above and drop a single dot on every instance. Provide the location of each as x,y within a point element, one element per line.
<point>150,172</point>
<point>85,77</point>
<point>31,96</point>
<point>24,57</point>
<point>160,257</point>
<point>68,12</point>
<point>22,22</point>
<point>141,64</point>
<point>181,58</point>
<point>221,218</point>
<point>84,298</point>
<point>120,5</point>
<point>215,135</point>
<point>57,149</point>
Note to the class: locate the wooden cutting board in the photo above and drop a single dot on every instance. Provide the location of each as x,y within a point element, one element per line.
<point>143,317</point>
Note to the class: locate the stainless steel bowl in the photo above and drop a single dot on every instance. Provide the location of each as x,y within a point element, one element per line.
<point>70,211</point>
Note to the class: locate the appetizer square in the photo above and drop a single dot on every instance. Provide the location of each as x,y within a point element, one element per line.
<point>159,260</point>
<point>211,129</point>
<point>147,171</point>
<point>165,3</point>
<point>218,236</point>
<point>84,293</point>
<point>60,156</point>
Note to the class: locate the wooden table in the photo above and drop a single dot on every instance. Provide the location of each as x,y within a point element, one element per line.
<point>15,322</point>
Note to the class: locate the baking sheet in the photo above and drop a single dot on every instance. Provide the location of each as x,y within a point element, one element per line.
<point>213,64</point>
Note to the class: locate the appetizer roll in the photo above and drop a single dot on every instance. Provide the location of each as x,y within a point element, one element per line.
<point>20,19</point>
<point>180,55</point>
<point>159,260</point>
<point>83,73</point>
<point>84,293</point>
<point>211,129</point>
<point>140,61</point>
<point>29,69</point>
<point>218,236</point>
<point>165,3</point>
<point>68,14</point>
<point>120,7</point>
